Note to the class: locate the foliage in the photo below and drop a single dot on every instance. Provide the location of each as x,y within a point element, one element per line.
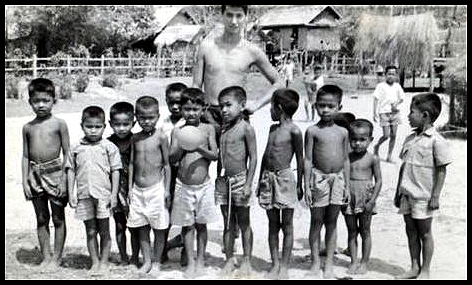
<point>456,85</point>
<point>110,80</point>
<point>11,86</point>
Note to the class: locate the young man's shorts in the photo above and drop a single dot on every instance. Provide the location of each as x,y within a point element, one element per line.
<point>389,119</point>
<point>418,209</point>
<point>277,189</point>
<point>92,208</point>
<point>47,178</point>
<point>193,204</point>
<point>148,207</point>
<point>361,193</point>
<point>235,184</point>
<point>328,188</point>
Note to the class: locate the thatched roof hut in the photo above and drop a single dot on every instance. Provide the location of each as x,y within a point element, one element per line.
<point>407,41</point>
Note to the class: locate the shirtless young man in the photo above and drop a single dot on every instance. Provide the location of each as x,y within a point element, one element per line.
<point>225,60</point>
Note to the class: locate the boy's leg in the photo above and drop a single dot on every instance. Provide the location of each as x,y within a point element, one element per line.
<point>382,139</point>
<point>105,241</point>
<point>243,218</point>
<point>287,228</point>
<point>42,220</point>
<point>202,238</point>
<point>316,222</point>
<point>145,243</point>
<point>59,221</point>
<point>313,111</point>
<point>426,236</point>
<point>120,234</point>
<point>159,244</point>
<point>274,228</point>
<point>189,236</point>
<point>92,242</point>
<point>228,239</point>
<point>391,142</point>
<point>307,108</point>
<point>365,220</point>
<point>330,220</point>
<point>135,245</point>
<point>414,246</point>
<point>352,231</point>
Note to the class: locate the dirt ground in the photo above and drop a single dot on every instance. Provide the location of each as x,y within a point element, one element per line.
<point>389,255</point>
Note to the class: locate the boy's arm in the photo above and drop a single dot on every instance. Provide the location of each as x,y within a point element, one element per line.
<point>72,191</point>
<point>65,142</point>
<point>131,168</point>
<point>396,200</point>
<point>115,166</point>
<point>164,145</point>
<point>440,174</point>
<point>250,138</point>
<point>308,164</point>
<point>347,168</point>
<point>25,164</point>
<point>210,153</point>
<point>176,152</point>
<point>297,142</point>
<point>378,183</point>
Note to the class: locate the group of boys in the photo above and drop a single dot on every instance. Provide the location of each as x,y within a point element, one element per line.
<point>155,178</point>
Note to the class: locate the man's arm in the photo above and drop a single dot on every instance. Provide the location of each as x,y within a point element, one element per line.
<point>376,101</point>
<point>250,137</point>
<point>25,164</point>
<point>199,68</point>
<point>297,142</point>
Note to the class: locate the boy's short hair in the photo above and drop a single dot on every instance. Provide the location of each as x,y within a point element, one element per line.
<point>390,67</point>
<point>361,123</point>
<point>244,7</point>
<point>429,102</point>
<point>93,112</point>
<point>175,87</point>
<point>330,89</point>
<point>146,102</point>
<point>236,91</point>
<point>122,108</point>
<point>41,85</point>
<point>344,119</point>
<point>287,99</point>
<point>193,95</point>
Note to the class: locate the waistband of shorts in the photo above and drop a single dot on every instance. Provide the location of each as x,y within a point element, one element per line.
<point>363,180</point>
<point>194,187</point>
<point>151,187</point>
<point>48,166</point>
<point>240,174</point>
<point>279,171</point>
<point>317,171</point>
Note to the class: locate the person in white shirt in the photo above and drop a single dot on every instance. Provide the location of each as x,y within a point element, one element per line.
<point>288,69</point>
<point>387,96</point>
<point>312,84</point>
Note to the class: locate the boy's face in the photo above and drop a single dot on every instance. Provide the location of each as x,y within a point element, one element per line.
<point>360,139</point>
<point>42,103</point>
<point>147,118</point>
<point>174,104</point>
<point>192,113</point>
<point>327,106</point>
<point>234,19</point>
<point>122,124</point>
<point>230,107</point>
<point>416,117</point>
<point>317,72</point>
<point>93,128</point>
<point>390,76</point>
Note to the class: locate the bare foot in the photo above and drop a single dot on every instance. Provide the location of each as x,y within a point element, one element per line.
<point>95,270</point>
<point>134,261</point>
<point>314,270</point>
<point>189,273</point>
<point>362,269</point>
<point>246,268</point>
<point>412,273</point>
<point>328,272</point>
<point>229,266</point>
<point>155,268</point>
<point>423,275</point>
<point>145,268</point>
<point>283,273</point>
<point>274,271</point>
<point>353,267</point>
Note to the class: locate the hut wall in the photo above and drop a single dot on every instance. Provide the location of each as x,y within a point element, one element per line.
<point>323,39</point>
<point>285,35</point>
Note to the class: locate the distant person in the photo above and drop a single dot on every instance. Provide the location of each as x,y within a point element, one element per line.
<point>278,190</point>
<point>326,175</point>
<point>425,156</point>
<point>312,84</point>
<point>149,183</point>
<point>42,169</point>
<point>288,69</point>
<point>364,192</point>
<point>388,96</point>
<point>237,166</point>
<point>94,163</point>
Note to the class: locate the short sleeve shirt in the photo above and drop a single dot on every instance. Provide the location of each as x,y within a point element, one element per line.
<point>93,164</point>
<point>167,126</point>
<point>387,95</point>
<point>421,154</point>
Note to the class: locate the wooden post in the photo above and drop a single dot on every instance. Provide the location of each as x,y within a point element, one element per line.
<point>344,64</point>
<point>333,62</point>
<point>159,61</point>
<point>68,64</point>
<point>431,77</point>
<point>102,64</point>
<point>325,63</point>
<point>414,75</point>
<point>35,66</point>
<point>130,62</point>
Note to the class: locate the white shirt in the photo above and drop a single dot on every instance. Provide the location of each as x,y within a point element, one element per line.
<point>387,95</point>
<point>167,125</point>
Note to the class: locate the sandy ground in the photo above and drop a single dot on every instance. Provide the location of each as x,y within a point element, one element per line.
<point>389,255</point>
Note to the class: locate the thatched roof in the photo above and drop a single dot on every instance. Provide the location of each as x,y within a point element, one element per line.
<point>163,15</point>
<point>295,16</point>
<point>185,33</point>
<point>406,40</point>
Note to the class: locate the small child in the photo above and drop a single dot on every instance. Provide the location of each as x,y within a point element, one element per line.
<point>195,206</point>
<point>175,119</point>
<point>278,191</point>
<point>236,167</point>
<point>387,96</point>
<point>288,69</point>
<point>358,213</point>
<point>91,163</point>
<point>326,175</point>
<point>42,169</point>
<point>149,183</point>
<point>312,84</point>
<point>122,121</point>
<point>425,155</point>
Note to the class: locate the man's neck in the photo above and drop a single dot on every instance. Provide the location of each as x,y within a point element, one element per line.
<point>231,38</point>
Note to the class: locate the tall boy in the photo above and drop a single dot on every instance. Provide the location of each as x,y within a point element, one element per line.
<point>95,164</point>
<point>278,191</point>
<point>237,165</point>
<point>42,169</point>
<point>425,155</point>
<point>122,122</point>
<point>149,182</point>
<point>195,206</point>
<point>326,174</point>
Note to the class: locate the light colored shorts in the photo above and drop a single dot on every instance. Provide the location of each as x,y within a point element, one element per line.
<point>236,184</point>
<point>148,207</point>
<point>328,189</point>
<point>193,204</point>
<point>418,209</point>
<point>277,189</point>
<point>388,119</point>
<point>361,193</point>
<point>92,208</point>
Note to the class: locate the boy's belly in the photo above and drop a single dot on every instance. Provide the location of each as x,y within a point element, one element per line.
<point>145,177</point>
<point>193,172</point>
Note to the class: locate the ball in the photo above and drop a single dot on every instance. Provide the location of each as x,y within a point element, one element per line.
<point>191,137</point>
